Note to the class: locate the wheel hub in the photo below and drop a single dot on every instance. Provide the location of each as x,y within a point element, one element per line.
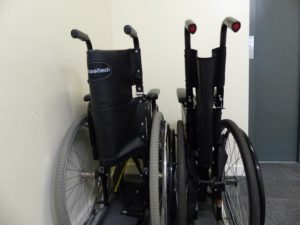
<point>87,174</point>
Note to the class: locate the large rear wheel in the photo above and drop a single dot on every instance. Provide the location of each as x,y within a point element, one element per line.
<point>181,187</point>
<point>78,187</point>
<point>242,202</point>
<point>159,171</point>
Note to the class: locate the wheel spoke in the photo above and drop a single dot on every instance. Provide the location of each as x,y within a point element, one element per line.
<point>70,178</point>
<point>80,159</point>
<point>72,187</point>
<point>229,207</point>
<point>236,206</point>
<point>68,169</point>
<point>73,164</point>
<point>92,190</point>
<point>80,184</point>
<point>73,205</point>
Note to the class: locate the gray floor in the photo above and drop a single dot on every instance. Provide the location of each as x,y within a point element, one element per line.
<point>114,217</point>
<point>282,188</point>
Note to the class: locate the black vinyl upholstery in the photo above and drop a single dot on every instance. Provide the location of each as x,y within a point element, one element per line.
<point>204,113</point>
<point>204,74</point>
<point>113,88</point>
<point>119,120</point>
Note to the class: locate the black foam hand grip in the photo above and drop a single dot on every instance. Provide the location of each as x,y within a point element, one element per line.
<point>190,26</point>
<point>80,35</point>
<point>232,23</point>
<point>130,31</point>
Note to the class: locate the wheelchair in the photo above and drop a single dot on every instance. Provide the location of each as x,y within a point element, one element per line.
<point>117,130</point>
<point>223,182</point>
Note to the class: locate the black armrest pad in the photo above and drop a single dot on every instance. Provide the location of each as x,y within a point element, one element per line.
<point>181,95</point>
<point>153,94</point>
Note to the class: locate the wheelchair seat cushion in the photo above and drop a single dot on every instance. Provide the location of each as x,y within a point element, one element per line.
<point>120,131</point>
<point>119,120</point>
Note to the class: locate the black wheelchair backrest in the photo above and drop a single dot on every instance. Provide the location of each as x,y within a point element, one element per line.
<point>118,121</point>
<point>207,76</point>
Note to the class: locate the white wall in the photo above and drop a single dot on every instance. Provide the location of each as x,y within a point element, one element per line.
<point>43,80</point>
<point>160,28</point>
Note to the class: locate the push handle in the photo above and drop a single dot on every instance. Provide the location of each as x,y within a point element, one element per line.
<point>190,26</point>
<point>231,23</point>
<point>83,37</point>
<point>79,35</point>
<point>129,30</point>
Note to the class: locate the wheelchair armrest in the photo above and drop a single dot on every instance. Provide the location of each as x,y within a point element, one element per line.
<point>181,95</point>
<point>153,94</point>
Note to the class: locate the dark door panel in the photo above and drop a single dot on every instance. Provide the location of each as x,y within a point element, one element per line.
<point>274,79</point>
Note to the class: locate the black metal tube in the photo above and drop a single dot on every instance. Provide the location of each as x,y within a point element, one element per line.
<point>104,179</point>
<point>223,35</point>
<point>129,30</point>
<point>187,39</point>
<point>231,23</point>
<point>89,45</point>
<point>136,43</point>
<point>83,37</point>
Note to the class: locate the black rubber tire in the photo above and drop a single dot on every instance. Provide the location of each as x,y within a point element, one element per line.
<point>262,196</point>
<point>154,184</point>
<point>171,177</point>
<point>181,176</point>
<point>254,201</point>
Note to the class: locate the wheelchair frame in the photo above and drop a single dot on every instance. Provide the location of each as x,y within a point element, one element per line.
<point>151,96</point>
<point>215,112</point>
<point>206,109</point>
<point>164,147</point>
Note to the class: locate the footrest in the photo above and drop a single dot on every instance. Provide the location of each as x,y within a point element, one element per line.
<point>205,215</point>
<point>133,194</point>
<point>133,213</point>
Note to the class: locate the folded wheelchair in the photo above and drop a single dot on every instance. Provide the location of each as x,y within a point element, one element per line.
<point>117,130</point>
<point>219,178</point>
